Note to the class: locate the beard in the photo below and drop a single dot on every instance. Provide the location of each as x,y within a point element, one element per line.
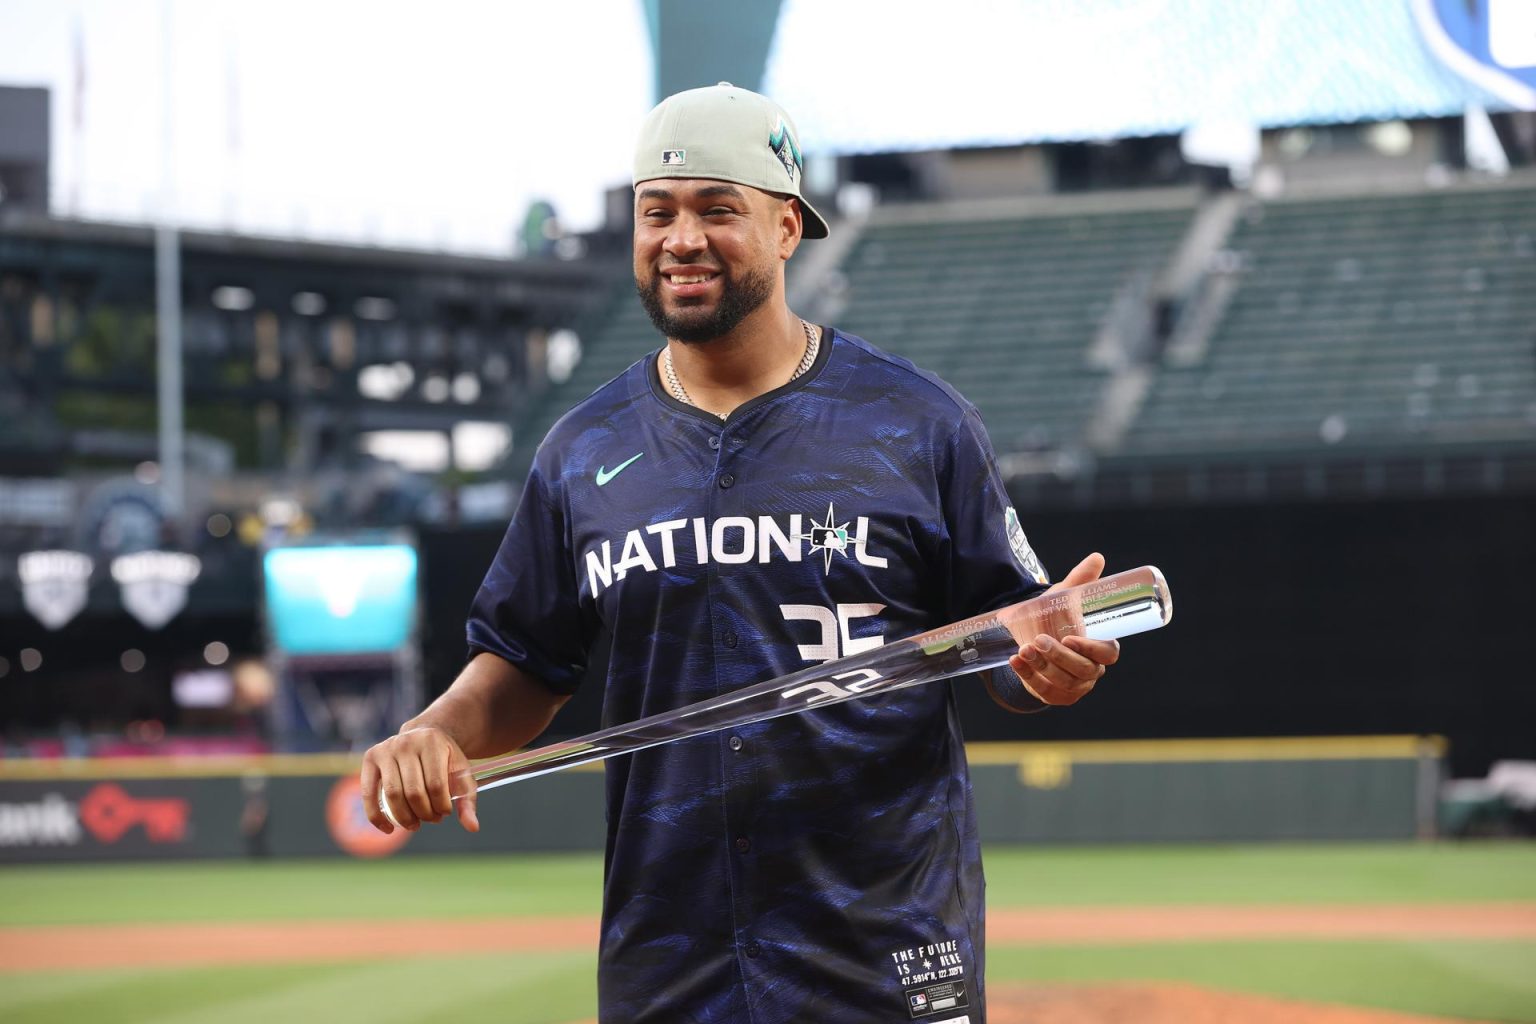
<point>695,325</point>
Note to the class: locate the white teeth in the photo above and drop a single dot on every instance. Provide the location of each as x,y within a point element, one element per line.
<point>690,278</point>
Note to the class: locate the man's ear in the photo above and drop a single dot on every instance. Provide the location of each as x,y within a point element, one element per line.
<point>791,228</point>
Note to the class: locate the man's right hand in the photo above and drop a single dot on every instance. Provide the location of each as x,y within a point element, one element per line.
<point>419,772</point>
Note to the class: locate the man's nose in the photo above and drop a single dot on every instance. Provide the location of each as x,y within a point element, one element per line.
<point>685,237</point>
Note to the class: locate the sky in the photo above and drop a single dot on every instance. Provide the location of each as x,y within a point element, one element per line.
<point>369,122</point>
<point>383,122</point>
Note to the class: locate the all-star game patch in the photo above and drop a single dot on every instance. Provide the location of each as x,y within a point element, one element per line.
<point>1021,549</point>
<point>931,999</point>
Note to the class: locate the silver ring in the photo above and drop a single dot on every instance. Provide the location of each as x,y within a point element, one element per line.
<point>384,806</point>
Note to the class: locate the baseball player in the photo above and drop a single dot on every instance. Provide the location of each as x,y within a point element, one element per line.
<point>761,494</point>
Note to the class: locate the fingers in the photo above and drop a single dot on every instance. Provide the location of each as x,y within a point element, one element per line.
<point>371,788</point>
<point>1086,571</point>
<point>465,790</point>
<point>436,776</point>
<point>1100,652</point>
<point>416,773</point>
<point>392,791</point>
<point>1063,672</point>
<point>418,805</point>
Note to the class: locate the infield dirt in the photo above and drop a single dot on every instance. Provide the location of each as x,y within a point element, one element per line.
<point>85,947</point>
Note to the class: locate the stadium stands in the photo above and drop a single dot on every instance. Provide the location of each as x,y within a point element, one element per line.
<point>1003,299</point>
<point>1344,324</point>
<point>1364,322</point>
<point>1007,308</point>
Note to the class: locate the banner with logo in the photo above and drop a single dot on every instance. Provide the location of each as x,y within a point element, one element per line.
<point>256,816</point>
<point>154,584</point>
<point>115,820</point>
<point>54,585</point>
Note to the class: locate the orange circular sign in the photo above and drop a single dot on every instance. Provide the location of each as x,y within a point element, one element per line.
<point>350,827</point>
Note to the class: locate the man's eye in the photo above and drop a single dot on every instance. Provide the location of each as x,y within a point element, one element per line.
<point>717,211</point>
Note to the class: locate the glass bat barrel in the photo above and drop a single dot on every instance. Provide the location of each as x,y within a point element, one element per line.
<point>1117,606</point>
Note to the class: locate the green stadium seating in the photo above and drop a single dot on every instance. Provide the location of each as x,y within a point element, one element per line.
<point>1361,322</point>
<point>1006,309</point>
<point>1357,322</point>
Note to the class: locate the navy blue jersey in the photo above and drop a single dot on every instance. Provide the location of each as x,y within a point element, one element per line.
<point>823,866</point>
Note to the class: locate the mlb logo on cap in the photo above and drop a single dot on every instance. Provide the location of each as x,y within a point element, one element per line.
<point>674,157</point>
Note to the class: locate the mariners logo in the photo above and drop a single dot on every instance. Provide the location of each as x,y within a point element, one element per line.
<point>783,145</point>
<point>1021,549</point>
<point>54,585</point>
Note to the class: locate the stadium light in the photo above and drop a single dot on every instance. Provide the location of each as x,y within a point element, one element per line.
<point>466,388</point>
<point>478,444</point>
<point>563,355</point>
<point>435,388</point>
<point>421,451</point>
<point>233,298</point>
<point>203,688</point>
<point>373,307</point>
<point>280,511</point>
<point>385,382</point>
<point>308,303</point>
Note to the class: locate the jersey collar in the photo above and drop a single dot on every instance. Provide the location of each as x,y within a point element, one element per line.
<point>653,377</point>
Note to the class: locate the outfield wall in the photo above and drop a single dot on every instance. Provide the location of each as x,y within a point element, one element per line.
<point>1345,788</point>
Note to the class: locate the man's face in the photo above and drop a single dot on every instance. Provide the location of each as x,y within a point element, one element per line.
<point>708,253</point>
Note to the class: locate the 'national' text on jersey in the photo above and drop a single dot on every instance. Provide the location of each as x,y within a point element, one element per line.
<point>729,540</point>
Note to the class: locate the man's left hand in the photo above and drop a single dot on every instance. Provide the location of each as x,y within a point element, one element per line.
<point>1063,671</point>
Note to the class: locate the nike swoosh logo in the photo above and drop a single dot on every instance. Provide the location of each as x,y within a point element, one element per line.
<point>604,474</point>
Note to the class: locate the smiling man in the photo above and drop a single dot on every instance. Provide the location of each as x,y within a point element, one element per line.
<point>759,495</point>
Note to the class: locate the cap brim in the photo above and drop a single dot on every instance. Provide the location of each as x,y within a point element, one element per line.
<point>815,223</point>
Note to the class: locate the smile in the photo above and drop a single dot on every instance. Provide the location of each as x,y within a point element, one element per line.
<point>691,283</point>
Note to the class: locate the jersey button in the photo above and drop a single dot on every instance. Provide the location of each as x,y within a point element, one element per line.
<point>726,480</point>
<point>752,950</point>
<point>714,441</point>
<point>743,844</point>
<point>730,640</point>
<point>736,743</point>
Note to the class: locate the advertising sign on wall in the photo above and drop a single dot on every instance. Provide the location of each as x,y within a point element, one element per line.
<point>105,820</point>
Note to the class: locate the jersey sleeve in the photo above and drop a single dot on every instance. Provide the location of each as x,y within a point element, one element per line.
<point>991,563</point>
<point>527,609</point>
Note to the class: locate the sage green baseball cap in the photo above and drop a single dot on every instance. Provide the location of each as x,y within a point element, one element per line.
<point>725,134</point>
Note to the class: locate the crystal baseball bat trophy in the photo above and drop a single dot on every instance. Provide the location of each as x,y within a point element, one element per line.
<point>1128,602</point>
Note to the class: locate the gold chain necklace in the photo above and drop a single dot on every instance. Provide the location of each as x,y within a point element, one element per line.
<point>812,345</point>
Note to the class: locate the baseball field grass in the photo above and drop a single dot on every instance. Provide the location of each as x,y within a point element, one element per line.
<point>1464,976</point>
